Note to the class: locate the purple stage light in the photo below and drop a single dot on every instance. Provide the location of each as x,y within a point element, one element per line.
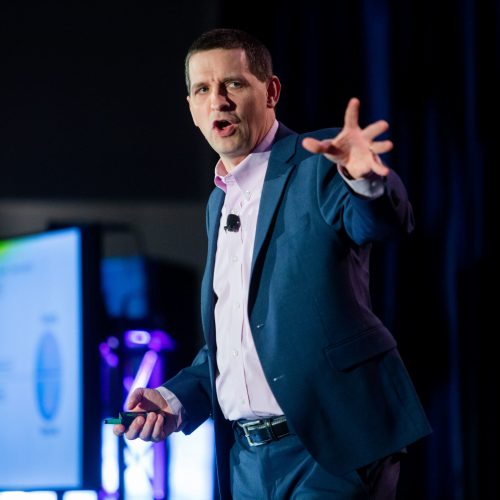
<point>161,341</point>
<point>108,355</point>
<point>143,373</point>
<point>113,342</point>
<point>136,338</point>
<point>156,340</point>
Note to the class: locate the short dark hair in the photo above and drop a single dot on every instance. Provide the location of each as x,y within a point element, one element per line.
<point>259,58</point>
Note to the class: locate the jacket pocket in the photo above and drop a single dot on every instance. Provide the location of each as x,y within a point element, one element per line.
<point>356,350</point>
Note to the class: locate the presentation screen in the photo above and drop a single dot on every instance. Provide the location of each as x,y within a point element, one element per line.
<point>43,348</point>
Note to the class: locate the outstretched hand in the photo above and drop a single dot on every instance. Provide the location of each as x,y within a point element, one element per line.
<point>159,423</point>
<point>354,149</point>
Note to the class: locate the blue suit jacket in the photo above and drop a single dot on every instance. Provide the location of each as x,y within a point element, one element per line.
<point>332,365</point>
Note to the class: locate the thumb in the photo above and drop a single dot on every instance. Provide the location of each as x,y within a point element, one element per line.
<point>135,398</point>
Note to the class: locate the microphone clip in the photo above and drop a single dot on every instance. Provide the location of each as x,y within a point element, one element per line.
<point>232,223</point>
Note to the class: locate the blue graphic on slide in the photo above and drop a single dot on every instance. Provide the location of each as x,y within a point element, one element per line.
<point>48,376</point>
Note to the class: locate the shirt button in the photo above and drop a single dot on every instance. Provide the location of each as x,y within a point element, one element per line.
<point>242,402</point>
<point>235,258</point>
<point>235,353</point>
<point>248,195</point>
<point>237,305</point>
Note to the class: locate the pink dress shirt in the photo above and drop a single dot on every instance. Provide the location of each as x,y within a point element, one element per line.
<point>242,388</point>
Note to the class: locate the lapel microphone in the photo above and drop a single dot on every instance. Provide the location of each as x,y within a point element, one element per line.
<point>232,223</point>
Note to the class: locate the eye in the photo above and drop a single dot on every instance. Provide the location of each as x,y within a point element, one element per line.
<point>201,90</point>
<point>234,84</point>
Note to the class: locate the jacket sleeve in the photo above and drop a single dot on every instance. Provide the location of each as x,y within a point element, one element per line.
<point>364,219</point>
<point>192,387</point>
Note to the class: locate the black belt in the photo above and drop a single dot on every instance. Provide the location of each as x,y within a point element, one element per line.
<point>258,432</point>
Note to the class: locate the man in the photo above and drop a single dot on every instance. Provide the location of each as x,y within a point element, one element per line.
<point>308,393</point>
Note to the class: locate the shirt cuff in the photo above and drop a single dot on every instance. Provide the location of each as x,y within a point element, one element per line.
<point>371,186</point>
<point>175,406</point>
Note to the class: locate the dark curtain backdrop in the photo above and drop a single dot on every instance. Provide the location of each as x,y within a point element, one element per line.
<point>426,67</point>
<point>93,115</point>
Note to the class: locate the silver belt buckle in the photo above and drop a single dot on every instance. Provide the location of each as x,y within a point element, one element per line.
<point>255,425</point>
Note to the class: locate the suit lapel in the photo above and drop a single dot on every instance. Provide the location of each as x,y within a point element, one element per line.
<point>207,292</point>
<point>278,172</point>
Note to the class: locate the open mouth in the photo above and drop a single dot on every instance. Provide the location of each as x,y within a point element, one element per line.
<point>224,127</point>
<point>221,124</point>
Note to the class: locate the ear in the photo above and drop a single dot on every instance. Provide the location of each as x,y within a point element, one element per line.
<point>273,91</point>
<point>191,111</point>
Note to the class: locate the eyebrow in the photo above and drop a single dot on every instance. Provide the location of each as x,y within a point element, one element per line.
<point>230,78</point>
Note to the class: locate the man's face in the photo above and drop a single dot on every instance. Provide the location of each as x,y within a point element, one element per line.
<point>232,108</point>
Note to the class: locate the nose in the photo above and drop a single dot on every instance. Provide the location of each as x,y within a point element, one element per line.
<point>218,100</point>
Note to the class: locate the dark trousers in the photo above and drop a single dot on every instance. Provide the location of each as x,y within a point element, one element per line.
<point>284,470</point>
